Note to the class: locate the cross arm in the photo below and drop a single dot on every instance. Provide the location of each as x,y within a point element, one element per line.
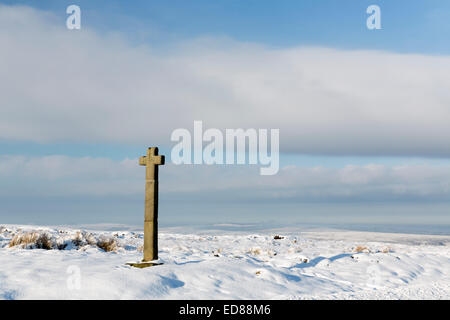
<point>158,160</point>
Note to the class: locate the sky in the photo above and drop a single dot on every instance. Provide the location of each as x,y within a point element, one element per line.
<point>363,114</point>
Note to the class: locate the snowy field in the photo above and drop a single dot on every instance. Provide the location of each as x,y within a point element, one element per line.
<point>223,265</point>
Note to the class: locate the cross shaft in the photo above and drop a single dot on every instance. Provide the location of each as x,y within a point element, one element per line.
<point>152,160</point>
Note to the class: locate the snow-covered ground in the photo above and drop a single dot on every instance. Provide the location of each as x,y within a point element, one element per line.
<point>227,265</point>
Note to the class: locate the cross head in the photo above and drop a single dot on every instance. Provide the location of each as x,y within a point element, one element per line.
<point>152,158</point>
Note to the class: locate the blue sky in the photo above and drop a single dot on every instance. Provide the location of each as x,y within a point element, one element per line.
<point>408,26</point>
<point>186,44</point>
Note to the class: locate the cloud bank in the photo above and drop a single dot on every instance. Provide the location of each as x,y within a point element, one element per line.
<point>60,86</point>
<point>62,176</point>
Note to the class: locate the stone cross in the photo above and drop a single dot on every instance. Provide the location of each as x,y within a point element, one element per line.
<point>152,160</point>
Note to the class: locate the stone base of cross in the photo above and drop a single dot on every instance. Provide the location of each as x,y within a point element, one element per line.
<point>152,160</point>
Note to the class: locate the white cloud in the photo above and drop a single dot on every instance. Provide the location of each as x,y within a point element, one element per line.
<point>61,85</point>
<point>93,177</point>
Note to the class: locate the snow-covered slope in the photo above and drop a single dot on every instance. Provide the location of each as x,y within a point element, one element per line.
<point>221,265</point>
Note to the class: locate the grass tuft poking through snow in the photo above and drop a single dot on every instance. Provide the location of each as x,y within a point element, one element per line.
<point>362,249</point>
<point>44,242</point>
<point>24,240</point>
<point>62,240</point>
<point>107,245</point>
